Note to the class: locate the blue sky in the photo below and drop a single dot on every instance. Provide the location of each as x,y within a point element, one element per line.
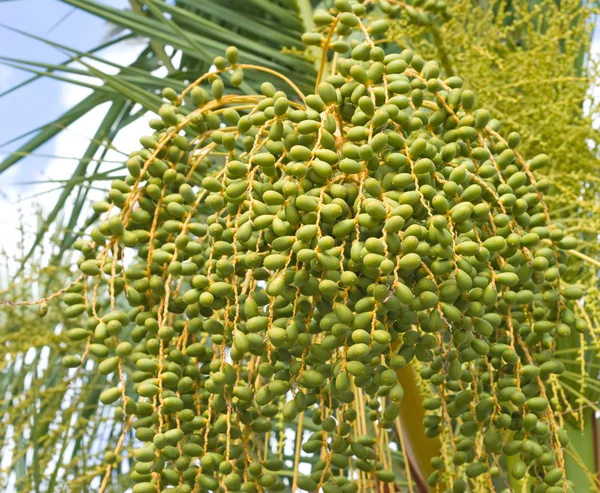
<point>41,101</point>
<point>46,99</point>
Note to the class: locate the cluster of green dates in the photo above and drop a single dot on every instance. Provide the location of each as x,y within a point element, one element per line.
<point>284,260</point>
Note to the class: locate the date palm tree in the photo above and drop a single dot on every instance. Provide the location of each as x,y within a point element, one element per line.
<point>529,62</point>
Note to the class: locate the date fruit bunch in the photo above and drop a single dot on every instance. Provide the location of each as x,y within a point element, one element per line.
<point>275,262</point>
